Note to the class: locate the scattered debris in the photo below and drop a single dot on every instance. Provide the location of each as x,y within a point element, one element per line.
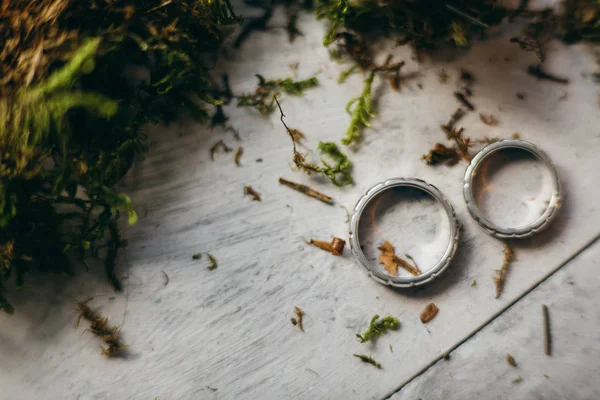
<point>377,327</point>
<point>299,314</point>
<point>511,360</point>
<point>368,359</point>
<point>336,247</point>
<point>263,97</point>
<point>338,174</point>
<point>463,99</point>
<point>516,135</point>
<point>391,349</point>
<point>501,273</point>
<point>362,112</point>
<point>463,143</point>
<point>538,72</point>
<point>391,261</point>
<point>474,283</point>
<point>220,145</point>
<point>212,389</point>
<point>259,160</point>
<point>294,67</point>
<point>294,321</point>
<point>488,119</point>
<point>99,327</point>
<point>518,379</point>
<point>443,76</point>
<point>547,338</point>
<point>307,191</point>
<point>292,28</point>
<point>213,262</point>
<point>249,191</point>
<point>166,277</point>
<point>429,313</point>
<point>238,156</point>
<point>441,154</point>
<point>467,77</point>
<point>346,73</point>
<point>521,95</point>
<point>197,256</point>
<point>446,356</point>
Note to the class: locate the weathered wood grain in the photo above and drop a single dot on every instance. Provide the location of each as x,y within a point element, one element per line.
<point>230,328</point>
<point>478,369</point>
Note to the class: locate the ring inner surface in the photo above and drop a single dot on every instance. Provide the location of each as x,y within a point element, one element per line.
<point>412,221</point>
<point>512,187</point>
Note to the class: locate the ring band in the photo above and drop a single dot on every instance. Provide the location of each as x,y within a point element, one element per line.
<point>382,277</point>
<point>519,232</point>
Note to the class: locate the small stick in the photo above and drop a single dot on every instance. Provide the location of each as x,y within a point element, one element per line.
<point>238,156</point>
<point>336,247</point>
<point>501,273</point>
<point>547,338</point>
<point>166,277</point>
<point>461,97</point>
<point>536,71</point>
<point>307,191</point>
<point>299,314</point>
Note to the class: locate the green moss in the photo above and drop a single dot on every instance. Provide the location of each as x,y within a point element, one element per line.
<point>361,110</point>
<point>377,327</point>
<point>71,120</point>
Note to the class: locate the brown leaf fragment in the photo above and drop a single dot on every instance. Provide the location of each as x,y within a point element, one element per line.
<point>391,261</point>
<point>429,313</point>
<point>488,119</point>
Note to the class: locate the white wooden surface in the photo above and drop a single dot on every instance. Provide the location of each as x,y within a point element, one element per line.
<point>478,369</point>
<point>229,329</point>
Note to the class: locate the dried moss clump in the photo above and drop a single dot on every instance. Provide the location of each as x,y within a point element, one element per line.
<point>71,116</point>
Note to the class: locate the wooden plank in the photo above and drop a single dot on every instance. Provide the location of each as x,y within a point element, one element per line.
<point>230,328</point>
<point>478,368</point>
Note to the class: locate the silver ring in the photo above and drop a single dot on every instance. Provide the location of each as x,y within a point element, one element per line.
<point>519,232</point>
<point>396,281</point>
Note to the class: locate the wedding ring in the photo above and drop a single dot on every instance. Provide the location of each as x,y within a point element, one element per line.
<point>549,211</point>
<point>376,271</point>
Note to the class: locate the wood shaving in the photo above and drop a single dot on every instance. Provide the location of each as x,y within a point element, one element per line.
<point>501,273</point>
<point>336,247</point>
